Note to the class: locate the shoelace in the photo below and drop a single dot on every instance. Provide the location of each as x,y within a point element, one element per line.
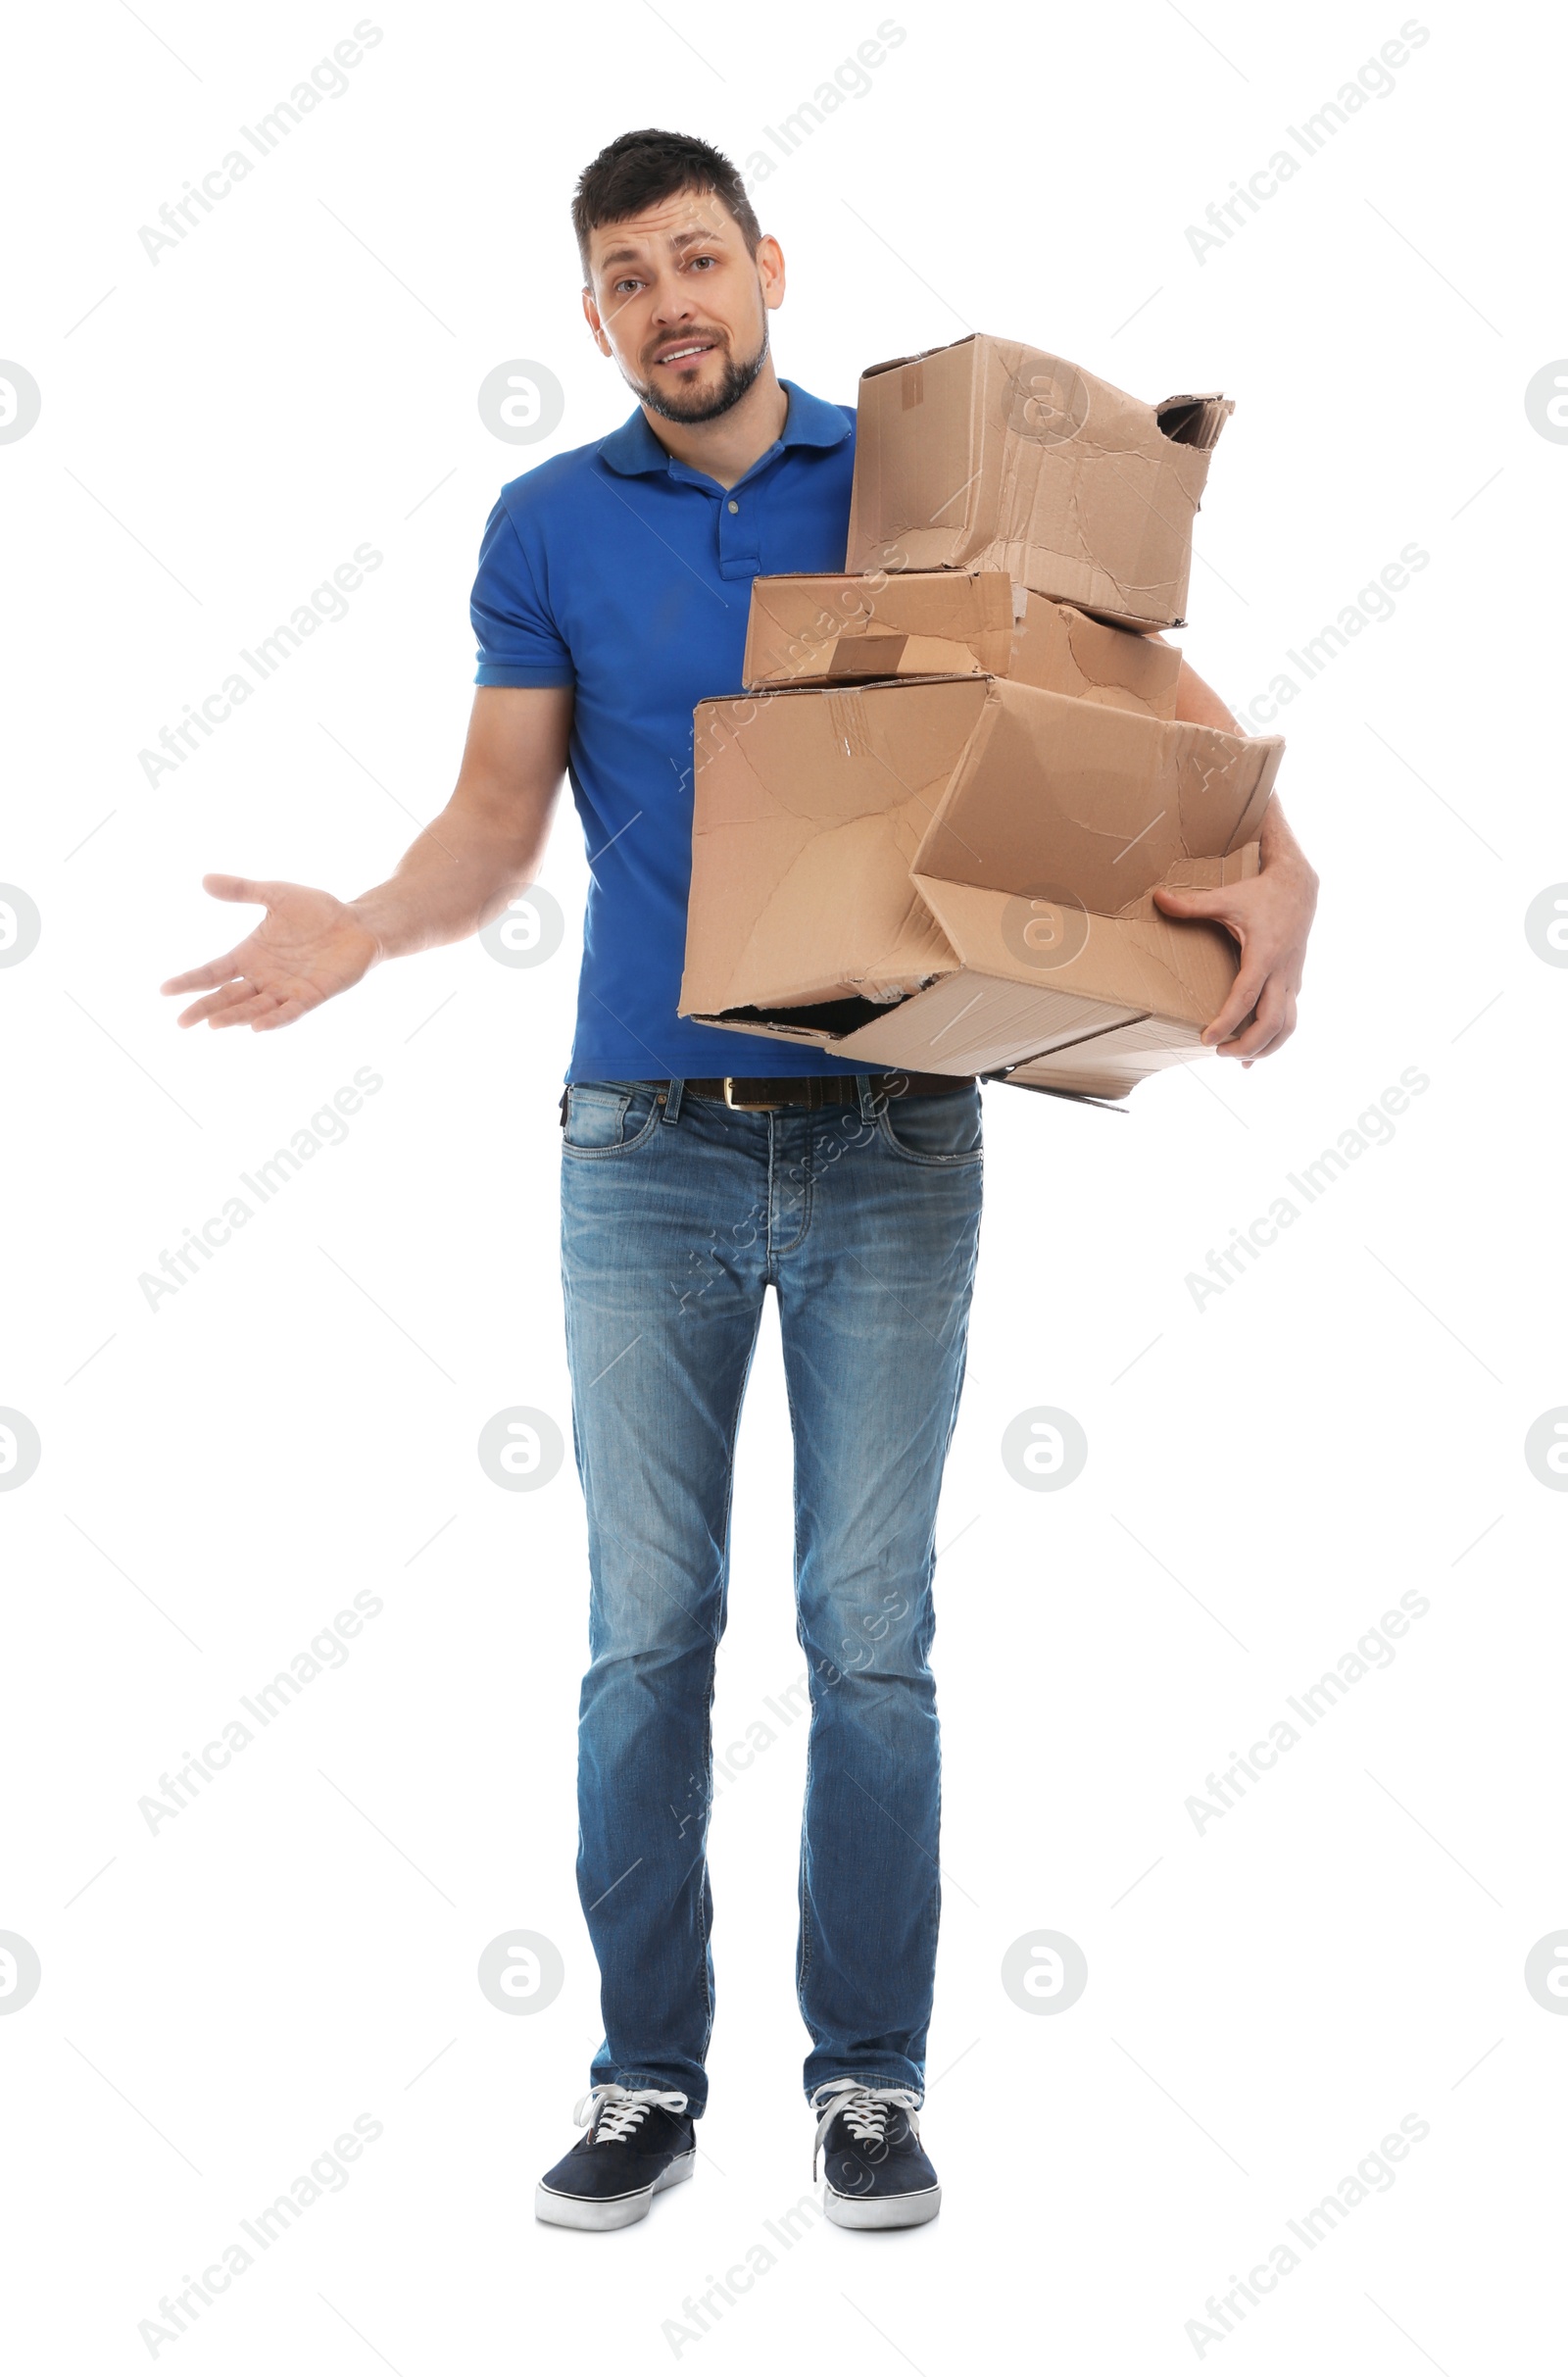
<point>865,2112</point>
<point>610,2114</point>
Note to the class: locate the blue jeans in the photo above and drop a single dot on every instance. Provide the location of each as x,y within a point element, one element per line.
<point>676,1219</point>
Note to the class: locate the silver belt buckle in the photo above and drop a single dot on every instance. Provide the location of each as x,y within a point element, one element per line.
<point>743,1106</point>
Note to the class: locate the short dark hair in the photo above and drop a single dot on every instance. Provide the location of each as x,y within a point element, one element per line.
<point>639,168</point>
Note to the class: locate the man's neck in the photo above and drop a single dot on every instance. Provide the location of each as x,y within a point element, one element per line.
<point>726,448</point>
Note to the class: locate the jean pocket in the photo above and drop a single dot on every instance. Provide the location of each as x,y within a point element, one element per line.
<point>606,1117</point>
<point>944,1128</point>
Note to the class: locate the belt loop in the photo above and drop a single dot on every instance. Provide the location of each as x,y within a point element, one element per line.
<point>867,1095</point>
<point>672,1098</point>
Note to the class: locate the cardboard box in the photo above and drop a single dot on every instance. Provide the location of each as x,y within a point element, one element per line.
<point>956,874</point>
<point>991,455</point>
<point>821,627</point>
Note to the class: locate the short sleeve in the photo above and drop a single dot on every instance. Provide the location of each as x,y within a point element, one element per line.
<point>520,643</point>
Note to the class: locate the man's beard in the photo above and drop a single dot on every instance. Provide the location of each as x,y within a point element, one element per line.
<point>738,378</point>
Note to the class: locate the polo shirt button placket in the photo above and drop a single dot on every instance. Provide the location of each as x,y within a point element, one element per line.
<point>739,549</point>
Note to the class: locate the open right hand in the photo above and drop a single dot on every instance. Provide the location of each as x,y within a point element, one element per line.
<point>307,947</point>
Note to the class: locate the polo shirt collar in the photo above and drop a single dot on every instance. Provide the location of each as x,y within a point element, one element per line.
<point>634,451</point>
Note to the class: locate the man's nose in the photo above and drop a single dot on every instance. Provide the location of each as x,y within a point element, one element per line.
<point>672,298</point>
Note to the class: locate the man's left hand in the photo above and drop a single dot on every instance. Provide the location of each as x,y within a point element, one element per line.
<point>1270,916</point>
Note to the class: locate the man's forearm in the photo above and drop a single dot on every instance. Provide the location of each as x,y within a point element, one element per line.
<point>450,882</point>
<point>1279,850</point>
<point>1197,702</point>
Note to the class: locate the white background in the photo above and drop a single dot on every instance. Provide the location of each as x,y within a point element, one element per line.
<point>1266,1999</point>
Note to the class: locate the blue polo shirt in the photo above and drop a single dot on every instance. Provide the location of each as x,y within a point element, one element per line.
<point>619,572</point>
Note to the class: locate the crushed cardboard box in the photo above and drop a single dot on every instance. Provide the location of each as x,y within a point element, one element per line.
<point>822,627</point>
<point>991,455</point>
<point>956,874</point>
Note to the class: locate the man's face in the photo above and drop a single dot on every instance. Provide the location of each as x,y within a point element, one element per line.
<point>681,305</point>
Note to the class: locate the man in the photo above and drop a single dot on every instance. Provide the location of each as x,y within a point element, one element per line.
<point>613,593</point>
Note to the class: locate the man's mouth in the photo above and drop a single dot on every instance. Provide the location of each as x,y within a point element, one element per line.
<point>687,351</point>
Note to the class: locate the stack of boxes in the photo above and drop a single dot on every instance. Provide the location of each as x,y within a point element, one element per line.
<point>929,835</point>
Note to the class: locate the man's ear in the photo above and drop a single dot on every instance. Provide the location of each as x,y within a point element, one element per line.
<point>770,269</point>
<point>590,315</point>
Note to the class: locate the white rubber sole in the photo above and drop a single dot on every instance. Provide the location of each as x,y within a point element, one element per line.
<point>883,2211</point>
<point>613,2212</point>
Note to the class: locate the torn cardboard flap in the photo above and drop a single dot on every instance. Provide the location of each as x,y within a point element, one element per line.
<point>992,455</point>
<point>808,807</point>
<point>956,874</point>
<point>1062,651</point>
<point>1045,938</point>
<point>1111,1063</point>
<point>1113,801</point>
<point>825,628</point>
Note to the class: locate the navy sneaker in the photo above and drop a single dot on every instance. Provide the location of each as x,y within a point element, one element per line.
<point>638,2142</point>
<point>878,2173</point>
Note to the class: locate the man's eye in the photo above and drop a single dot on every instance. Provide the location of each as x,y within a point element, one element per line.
<point>624,288</point>
<point>696,260</point>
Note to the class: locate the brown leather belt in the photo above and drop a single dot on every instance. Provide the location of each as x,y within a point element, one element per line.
<point>759,1095</point>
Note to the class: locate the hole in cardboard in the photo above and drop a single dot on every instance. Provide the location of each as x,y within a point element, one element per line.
<point>836,1017</point>
<point>1193,420</point>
